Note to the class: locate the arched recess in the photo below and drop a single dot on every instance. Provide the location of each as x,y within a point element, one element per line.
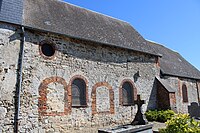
<point>77,82</point>
<point>94,99</point>
<point>44,90</point>
<point>131,94</point>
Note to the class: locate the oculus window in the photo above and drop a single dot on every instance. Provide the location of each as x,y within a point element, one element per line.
<point>47,49</point>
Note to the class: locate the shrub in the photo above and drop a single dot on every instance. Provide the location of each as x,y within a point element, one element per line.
<point>151,115</point>
<point>163,116</point>
<point>181,123</point>
<point>160,116</point>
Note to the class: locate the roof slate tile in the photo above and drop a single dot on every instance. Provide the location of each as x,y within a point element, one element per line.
<point>172,63</point>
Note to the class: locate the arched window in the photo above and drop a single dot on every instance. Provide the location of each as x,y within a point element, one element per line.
<point>78,92</point>
<point>127,93</point>
<point>184,93</point>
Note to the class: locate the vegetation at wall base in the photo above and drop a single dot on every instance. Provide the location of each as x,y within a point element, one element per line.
<point>160,116</point>
<point>181,123</point>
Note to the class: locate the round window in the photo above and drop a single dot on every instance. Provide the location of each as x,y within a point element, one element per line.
<point>47,49</point>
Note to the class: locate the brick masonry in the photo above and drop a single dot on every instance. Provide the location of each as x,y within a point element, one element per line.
<point>86,83</point>
<point>103,103</point>
<point>120,90</point>
<point>172,98</point>
<point>50,43</point>
<point>42,100</point>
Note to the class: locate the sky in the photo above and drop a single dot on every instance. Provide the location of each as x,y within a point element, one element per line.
<point>172,23</point>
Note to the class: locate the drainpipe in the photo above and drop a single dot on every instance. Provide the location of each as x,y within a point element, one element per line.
<point>19,81</point>
<point>198,93</point>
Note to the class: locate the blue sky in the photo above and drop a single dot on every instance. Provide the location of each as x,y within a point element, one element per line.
<point>173,23</point>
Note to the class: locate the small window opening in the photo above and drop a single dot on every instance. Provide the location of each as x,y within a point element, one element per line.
<point>48,49</point>
<point>184,93</point>
<point>79,92</point>
<point>127,94</point>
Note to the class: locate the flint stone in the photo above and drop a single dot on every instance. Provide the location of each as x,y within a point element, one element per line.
<point>3,112</point>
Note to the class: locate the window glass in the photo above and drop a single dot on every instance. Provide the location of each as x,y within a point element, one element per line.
<point>184,91</point>
<point>47,49</point>
<point>78,92</point>
<point>127,93</point>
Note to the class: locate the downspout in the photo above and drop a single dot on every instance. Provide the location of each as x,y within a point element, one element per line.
<point>19,81</point>
<point>198,93</point>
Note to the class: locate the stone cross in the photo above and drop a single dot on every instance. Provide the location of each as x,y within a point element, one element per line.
<point>139,117</point>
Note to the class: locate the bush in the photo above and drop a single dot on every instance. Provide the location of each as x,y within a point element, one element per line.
<point>160,116</point>
<point>163,116</point>
<point>181,123</point>
<point>151,115</point>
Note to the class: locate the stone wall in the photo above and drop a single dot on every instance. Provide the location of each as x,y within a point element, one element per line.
<point>9,53</point>
<point>182,107</point>
<point>46,102</point>
<point>104,65</point>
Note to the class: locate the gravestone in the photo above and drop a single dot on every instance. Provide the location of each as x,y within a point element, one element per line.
<point>194,110</point>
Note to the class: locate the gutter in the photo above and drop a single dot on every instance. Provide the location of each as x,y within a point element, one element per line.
<point>19,81</point>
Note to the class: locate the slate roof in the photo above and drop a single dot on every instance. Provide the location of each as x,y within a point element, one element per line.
<point>66,19</point>
<point>172,63</point>
<point>166,85</point>
<point>11,11</point>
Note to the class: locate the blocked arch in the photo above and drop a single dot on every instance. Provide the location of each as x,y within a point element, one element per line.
<point>86,89</point>
<point>111,97</point>
<point>121,91</point>
<point>42,100</point>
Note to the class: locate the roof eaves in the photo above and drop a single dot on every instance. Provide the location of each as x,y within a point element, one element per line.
<point>108,44</point>
<point>179,76</point>
<point>166,85</point>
